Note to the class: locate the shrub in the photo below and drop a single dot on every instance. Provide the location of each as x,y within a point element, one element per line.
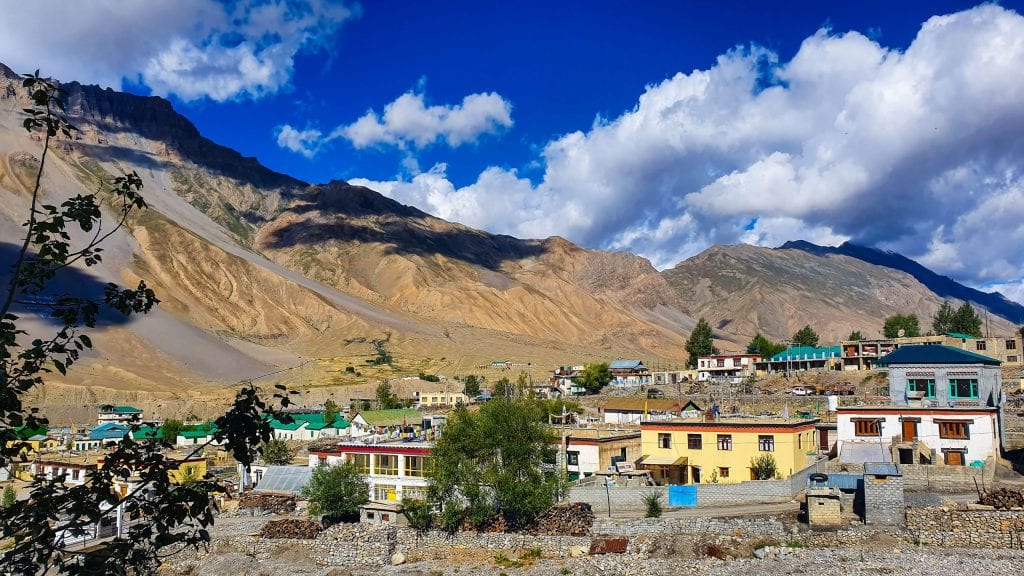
<point>716,551</point>
<point>419,513</point>
<point>652,502</point>
<point>763,467</point>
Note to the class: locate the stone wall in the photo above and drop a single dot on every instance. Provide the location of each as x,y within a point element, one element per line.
<point>440,545</point>
<point>967,528</point>
<point>748,525</point>
<point>941,478</point>
<point>883,500</point>
<point>623,499</point>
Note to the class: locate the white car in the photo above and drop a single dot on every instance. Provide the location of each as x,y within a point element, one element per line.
<point>801,391</point>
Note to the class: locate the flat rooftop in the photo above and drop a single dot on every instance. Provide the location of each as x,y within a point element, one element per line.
<point>598,433</point>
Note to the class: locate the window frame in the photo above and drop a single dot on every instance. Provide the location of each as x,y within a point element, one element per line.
<point>766,443</point>
<point>954,429</point>
<point>1011,344</point>
<point>725,442</point>
<point>415,466</point>
<point>972,384</point>
<point>690,441</point>
<point>572,458</point>
<point>867,427</point>
<point>723,471</point>
<point>980,345</point>
<point>665,440</point>
<point>361,462</point>
<point>913,385</point>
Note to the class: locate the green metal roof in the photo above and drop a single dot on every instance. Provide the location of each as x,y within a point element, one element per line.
<point>392,417</point>
<point>201,431</point>
<point>934,354</point>
<point>314,421</point>
<point>120,409</point>
<point>959,335</point>
<point>24,432</point>
<point>797,353</point>
<point>148,433</point>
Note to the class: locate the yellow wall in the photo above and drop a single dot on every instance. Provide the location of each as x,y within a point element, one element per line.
<point>182,472</point>
<point>792,445</point>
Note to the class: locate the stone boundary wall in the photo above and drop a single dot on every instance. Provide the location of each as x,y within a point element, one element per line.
<point>940,478</point>
<point>967,528</point>
<point>757,526</point>
<point>623,498</point>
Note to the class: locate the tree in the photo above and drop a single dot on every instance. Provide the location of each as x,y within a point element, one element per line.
<point>652,504</point>
<point>36,529</point>
<point>855,336</point>
<point>472,386</point>
<point>503,388</point>
<point>764,347</point>
<point>966,321</point>
<point>763,467</point>
<point>336,491</point>
<point>386,399</point>
<point>380,348</point>
<point>906,322</point>
<point>491,462</point>
<point>700,343</point>
<point>276,453</point>
<point>595,377</point>
<point>805,337</point>
<point>10,497</point>
<point>944,319</point>
<point>331,411</point>
<point>170,429</point>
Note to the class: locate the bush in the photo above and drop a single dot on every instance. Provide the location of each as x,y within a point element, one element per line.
<point>716,551</point>
<point>652,502</point>
<point>336,491</point>
<point>764,467</point>
<point>419,513</point>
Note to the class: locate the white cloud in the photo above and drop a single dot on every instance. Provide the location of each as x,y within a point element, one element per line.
<point>916,150</point>
<point>305,142</point>
<point>191,48</point>
<point>409,121</point>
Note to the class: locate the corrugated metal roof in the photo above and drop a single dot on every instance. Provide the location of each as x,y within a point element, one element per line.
<point>625,364</point>
<point>933,354</point>
<point>284,479</point>
<point>840,481</point>
<point>807,353</point>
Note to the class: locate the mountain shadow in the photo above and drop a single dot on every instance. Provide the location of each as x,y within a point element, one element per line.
<point>943,286</point>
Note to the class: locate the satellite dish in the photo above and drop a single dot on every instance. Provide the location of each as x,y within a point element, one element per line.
<point>901,332</point>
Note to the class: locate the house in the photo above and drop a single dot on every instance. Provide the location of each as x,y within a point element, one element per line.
<point>802,359</point>
<point>196,435</point>
<point>726,366</point>
<point>404,421</point>
<point>73,470</point>
<point>309,426</point>
<point>393,470</point>
<point>864,354</point>
<point>634,410</point>
<point>583,452</point>
<point>629,373</point>
<point>944,408</point>
<point>118,414</point>
<point>566,380</point>
<point>109,433</point>
<point>695,450</point>
<point>674,377</point>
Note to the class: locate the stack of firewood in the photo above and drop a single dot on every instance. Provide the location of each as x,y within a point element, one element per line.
<point>291,528</point>
<point>568,519</point>
<point>1003,498</point>
<point>276,503</point>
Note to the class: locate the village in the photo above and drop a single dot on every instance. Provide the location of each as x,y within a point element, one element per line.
<point>916,438</point>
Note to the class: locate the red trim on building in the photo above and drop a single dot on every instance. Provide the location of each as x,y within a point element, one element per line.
<point>730,427</point>
<point>914,410</point>
<point>404,450</point>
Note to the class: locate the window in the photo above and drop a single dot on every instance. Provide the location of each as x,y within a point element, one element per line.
<point>385,465</point>
<point>694,441</point>
<point>979,345</point>
<point>866,428</point>
<point>721,362</point>
<point>415,466</point>
<point>766,443</point>
<point>963,388</point>
<point>384,492</point>
<point>361,462</point>
<point>572,458</point>
<point>954,457</point>
<point>954,430</point>
<point>1011,344</point>
<point>725,441</point>
<point>414,493</point>
<point>922,385</point>
<point>723,472</point>
<point>74,474</point>
<point>664,440</point>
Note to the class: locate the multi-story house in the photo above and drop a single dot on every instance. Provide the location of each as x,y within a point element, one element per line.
<point>394,471</point>
<point>117,414</point>
<point>629,373</point>
<point>864,354</point>
<point>726,366</point>
<point>583,452</point>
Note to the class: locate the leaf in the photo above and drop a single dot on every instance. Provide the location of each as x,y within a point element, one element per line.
<point>60,367</point>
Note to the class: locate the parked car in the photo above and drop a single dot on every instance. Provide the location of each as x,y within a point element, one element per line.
<point>655,393</point>
<point>802,391</point>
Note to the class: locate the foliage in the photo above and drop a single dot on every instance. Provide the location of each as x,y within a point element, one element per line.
<point>764,347</point>
<point>966,320</point>
<point>595,377</point>
<point>491,462</point>
<point>386,399</point>
<point>553,408</point>
<point>419,513</point>
<point>700,343</point>
<point>472,386</point>
<point>652,505</point>
<point>276,453</point>
<point>36,529</point>
<point>331,411</point>
<point>944,319</point>
<point>805,337</point>
<point>855,336</point>
<point>763,467</point>
<point>503,388</point>
<point>337,491</point>
<point>906,322</point>
<point>170,429</point>
<point>10,497</point>
<point>380,348</point>
<point>429,377</point>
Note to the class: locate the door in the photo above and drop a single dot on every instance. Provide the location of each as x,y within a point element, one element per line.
<point>682,496</point>
<point>909,430</point>
<point>823,440</point>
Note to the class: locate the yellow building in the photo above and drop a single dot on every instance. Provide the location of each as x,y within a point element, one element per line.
<point>691,451</point>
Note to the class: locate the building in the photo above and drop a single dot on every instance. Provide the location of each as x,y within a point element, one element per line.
<point>629,373</point>
<point>935,375</point>
<point>398,421</point>
<point>73,470</point>
<point>118,414</point>
<point>673,377</point>
<point>393,470</point>
<point>108,433</point>
<point>309,426</point>
<point>566,380</point>
<point>634,410</point>
<point>802,359</point>
<point>584,452</point>
<point>864,354</point>
<point>695,450</point>
<point>727,367</point>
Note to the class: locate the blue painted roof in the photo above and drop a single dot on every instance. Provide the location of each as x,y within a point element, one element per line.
<point>807,353</point>
<point>108,431</point>
<point>933,354</point>
<point>840,481</point>
<point>625,364</point>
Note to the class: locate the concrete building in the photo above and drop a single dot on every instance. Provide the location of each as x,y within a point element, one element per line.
<point>864,354</point>
<point>566,380</point>
<point>934,375</point>
<point>117,414</point>
<point>727,367</point>
<point>393,470</point>
<point>803,359</point>
<point>695,450</point>
<point>824,507</point>
<point>629,373</point>
<point>634,410</point>
<point>587,451</point>
<point>72,470</point>
<point>883,494</point>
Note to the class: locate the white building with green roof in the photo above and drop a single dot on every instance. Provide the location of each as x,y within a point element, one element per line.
<point>117,414</point>
<point>310,426</point>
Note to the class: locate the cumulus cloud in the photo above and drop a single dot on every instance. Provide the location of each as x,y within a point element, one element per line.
<point>306,142</point>
<point>191,48</point>
<point>916,150</point>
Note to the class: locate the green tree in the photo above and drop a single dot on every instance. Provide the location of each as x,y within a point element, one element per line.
<point>336,491</point>
<point>170,429</point>
<point>764,347</point>
<point>966,321</point>
<point>491,462</point>
<point>595,377</point>
<point>34,528</point>
<point>652,504</point>
<point>10,496</point>
<point>805,337</point>
<point>276,453</point>
<point>386,399</point>
<point>906,322</point>
<point>429,377</point>
<point>472,386</point>
<point>419,513</point>
<point>331,411</point>
<point>945,319</point>
<point>700,343</point>
<point>855,336</point>
<point>503,388</point>
<point>763,467</point>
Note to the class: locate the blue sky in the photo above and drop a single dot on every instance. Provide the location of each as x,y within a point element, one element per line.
<point>654,127</point>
